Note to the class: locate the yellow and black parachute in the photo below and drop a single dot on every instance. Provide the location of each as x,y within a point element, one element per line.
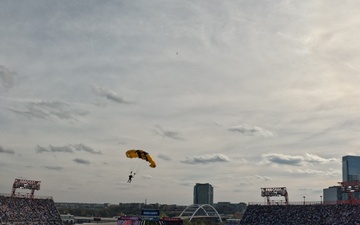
<point>141,154</point>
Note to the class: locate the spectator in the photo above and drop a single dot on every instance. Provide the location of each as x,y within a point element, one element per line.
<point>301,214</point>
<point>17,210</point>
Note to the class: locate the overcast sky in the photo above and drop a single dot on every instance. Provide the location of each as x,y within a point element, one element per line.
<point>239,94</point>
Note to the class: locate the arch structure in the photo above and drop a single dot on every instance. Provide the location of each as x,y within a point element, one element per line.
<point>200,210</point>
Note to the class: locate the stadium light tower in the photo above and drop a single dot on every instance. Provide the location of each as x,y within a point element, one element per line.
<point>352,189</point>
<point>25,184</point>
<point>274,192</point>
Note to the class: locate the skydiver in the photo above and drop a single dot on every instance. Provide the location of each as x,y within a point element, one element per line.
<point>131,177</point>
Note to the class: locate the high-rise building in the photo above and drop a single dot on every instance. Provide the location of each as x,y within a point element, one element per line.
<point>351,168</point>
<point>203,194</point>
<point>350,172</point>
<point>332,195</point>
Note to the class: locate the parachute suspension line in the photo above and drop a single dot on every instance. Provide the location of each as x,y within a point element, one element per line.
<point>132,165</point>
<point>138,162</point>
<point>139,156</point>
<point>135,164</point>
<point>140,166</point>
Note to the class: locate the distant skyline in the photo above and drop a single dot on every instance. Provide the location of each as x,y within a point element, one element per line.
<point>239,94</point>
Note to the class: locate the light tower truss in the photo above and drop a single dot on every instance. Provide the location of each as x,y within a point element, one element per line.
<point>274,192</point>
<point>350,188</point>
<point>25,184</point>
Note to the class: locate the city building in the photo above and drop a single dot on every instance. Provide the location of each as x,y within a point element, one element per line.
<point>350,172</point>
<point>203,194</point>
<point>332,195</point>
<point>351,168</point>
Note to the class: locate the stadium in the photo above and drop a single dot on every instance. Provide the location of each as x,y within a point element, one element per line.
<point>26,208</point>
<point>19,208</point>
<point>284,212</point>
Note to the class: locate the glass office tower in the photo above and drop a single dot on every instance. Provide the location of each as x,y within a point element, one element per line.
<point>203,194</point>
<point>351,168</point>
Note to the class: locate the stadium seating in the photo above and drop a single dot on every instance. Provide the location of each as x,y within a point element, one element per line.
<point>301,214</point>
<point>17,210</point>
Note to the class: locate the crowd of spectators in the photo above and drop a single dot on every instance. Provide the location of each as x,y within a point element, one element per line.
<point>301,215</point>
<point>18,211</point>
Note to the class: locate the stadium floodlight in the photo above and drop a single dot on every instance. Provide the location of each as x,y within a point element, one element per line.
<point>350,188</point>
<point>25,184</point>
<point>274,192</point>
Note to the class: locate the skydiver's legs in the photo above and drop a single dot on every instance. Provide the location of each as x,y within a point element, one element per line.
<point>130,178</point>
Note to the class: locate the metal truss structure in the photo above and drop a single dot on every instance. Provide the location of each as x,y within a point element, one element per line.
<point>274,192</point>
<point>197,210</point>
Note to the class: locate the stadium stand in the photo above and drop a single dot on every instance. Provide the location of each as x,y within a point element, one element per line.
<point>30,211</point>
<point>301,214</point>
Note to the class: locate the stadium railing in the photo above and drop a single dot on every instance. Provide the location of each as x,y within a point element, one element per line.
<point>293,203</point>
<point>25,195</point>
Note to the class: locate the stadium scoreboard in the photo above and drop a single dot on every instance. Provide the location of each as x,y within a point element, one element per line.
<point>273,191</point>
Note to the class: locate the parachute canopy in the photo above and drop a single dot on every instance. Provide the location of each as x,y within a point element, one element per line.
<point>141,154</point>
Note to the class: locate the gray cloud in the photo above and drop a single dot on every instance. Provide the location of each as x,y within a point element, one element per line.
<point>164,157</point>
<point>207,158</point>
<point>40,149</point>
<point>81,161</point>
<point>168,133</point>
<point>330,173</point>
<point>7,151</point>
<point>258,177</point>
<point>61,149</point>
<point>110,95</point>
<point>82,147</point>
<point>312,158</point>
<point>284,159</point>
<point>251,130</point>
<point>57,168</point>
<point>295,160</point>
<point>185,183</point>
<point>67,149</point>
<point>7,78</point>
<point>54,110</point>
